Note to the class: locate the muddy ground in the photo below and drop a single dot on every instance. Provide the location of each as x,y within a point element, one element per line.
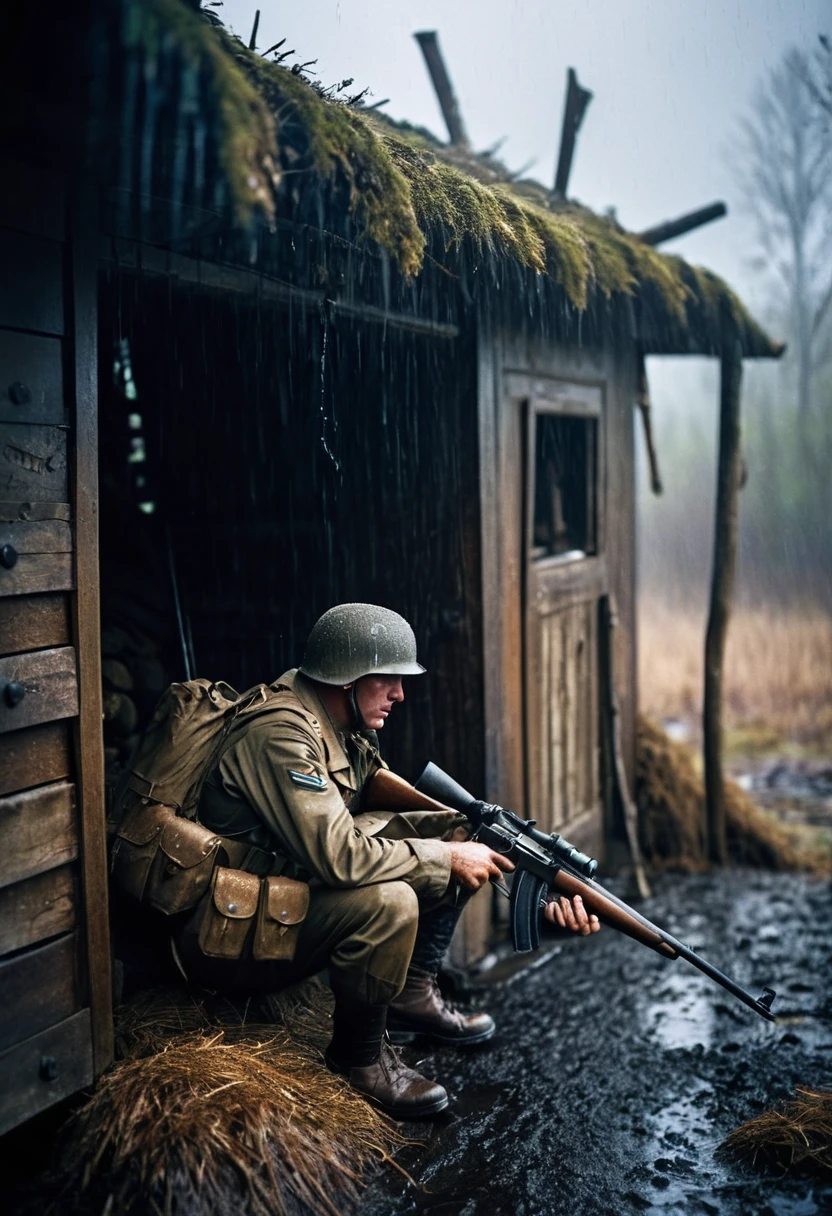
<point>615,1073</point>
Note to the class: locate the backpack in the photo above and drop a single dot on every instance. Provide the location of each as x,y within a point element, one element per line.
<point>159,854</point>
<point>183,741</point>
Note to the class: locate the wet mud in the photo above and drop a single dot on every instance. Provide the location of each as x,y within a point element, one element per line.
<point>615,1074</point>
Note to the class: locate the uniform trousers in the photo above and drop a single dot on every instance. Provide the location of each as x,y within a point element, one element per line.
<point>365,936</point>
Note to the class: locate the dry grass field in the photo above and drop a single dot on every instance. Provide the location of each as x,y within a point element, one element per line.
<point>778,674</point>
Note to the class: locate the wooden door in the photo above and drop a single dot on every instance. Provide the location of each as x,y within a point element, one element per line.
<point>55,1016</point>
<point>565,574</point>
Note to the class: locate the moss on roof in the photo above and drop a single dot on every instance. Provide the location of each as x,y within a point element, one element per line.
<point>332,138</point>
<point>245,136</point>
<point>404,189</point>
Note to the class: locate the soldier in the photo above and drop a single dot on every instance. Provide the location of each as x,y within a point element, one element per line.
<point>386,888</point>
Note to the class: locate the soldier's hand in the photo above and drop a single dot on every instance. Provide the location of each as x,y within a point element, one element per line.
<point>473,864</point>
<point>571,914</point>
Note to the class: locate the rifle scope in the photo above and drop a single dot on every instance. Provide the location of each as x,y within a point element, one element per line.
<point>439,785</point>
<point>556,844</point>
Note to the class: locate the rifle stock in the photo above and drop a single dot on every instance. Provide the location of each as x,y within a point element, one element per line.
<point>385,791</point>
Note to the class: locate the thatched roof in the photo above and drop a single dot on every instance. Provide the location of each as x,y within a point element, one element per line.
<point>279,139</point>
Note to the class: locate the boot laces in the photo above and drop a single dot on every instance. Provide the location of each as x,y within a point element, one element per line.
<point>392,1065</point>
<point>443,1001</point>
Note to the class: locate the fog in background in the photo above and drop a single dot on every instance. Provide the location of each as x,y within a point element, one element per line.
<point>672,79</point>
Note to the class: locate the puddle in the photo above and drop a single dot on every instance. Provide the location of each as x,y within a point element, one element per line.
<point>682,1016</point>
<point>678,1167</point>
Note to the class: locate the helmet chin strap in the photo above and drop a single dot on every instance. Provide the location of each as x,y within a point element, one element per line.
<point>358,722</point>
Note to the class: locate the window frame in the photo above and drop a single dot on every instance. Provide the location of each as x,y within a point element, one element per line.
<point>585,402</point>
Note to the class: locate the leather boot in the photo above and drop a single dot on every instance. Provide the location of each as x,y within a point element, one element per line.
<point>362,1052</point>
<point>399,1091</point>
<point>421,1008</point>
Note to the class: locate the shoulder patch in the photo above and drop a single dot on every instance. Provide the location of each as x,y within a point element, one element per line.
<point>308,781</point>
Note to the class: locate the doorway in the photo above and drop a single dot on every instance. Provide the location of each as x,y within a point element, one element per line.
<point>564,577</point>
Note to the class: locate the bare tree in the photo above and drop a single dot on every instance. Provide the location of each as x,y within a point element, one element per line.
<point>819,80</point>
<point>784,169</point>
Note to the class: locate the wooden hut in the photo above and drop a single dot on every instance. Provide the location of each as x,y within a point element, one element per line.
<point>262,353</point>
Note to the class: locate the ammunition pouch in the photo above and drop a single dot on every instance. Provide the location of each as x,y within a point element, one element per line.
<point>163,860</point>
<point>283,905</point>
<point>169,863</point>
<point>226,914</point>
<point>243,915</point>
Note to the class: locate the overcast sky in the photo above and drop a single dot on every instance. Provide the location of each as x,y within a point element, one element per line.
<point>670,77</point>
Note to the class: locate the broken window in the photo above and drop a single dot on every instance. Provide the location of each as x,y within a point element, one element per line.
<point>565,486</point>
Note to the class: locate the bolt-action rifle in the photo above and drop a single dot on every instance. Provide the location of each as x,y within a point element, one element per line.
<point>543,862</point>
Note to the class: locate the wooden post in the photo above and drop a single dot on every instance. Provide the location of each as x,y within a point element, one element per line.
<point>252,42</point>
<point>90,741</point>
<point>429,42</point>
<point>722,581</point>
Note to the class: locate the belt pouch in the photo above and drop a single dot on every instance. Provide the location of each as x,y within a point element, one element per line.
<point>227,913</point>
<point>135,847</point>
<point>284,903</point>
<point>182,868</point>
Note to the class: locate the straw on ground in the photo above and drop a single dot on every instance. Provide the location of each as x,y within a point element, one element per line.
<point>796,1137</point>
<point>212,1112</point>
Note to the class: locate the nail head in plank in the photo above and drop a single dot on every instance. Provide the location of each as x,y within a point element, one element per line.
<point>31,1084</point>
<point>50,687</point>
<point>33,463</point>
<point>31,379</point>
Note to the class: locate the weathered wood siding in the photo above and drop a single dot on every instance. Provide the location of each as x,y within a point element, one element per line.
<point>56,1024</point>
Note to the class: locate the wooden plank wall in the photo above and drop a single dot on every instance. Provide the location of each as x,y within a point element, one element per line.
<point>55,1021</point>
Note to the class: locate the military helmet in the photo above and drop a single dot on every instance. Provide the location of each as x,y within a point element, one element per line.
<point>354,640</point>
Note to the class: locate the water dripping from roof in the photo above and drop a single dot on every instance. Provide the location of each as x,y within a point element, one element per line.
<point>325,419</point>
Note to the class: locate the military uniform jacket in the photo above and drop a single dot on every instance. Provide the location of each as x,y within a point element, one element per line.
<point>291,772</point>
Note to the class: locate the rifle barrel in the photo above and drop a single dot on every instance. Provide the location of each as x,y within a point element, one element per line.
<point>686,952</point>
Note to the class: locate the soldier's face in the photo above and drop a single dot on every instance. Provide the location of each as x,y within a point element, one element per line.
<point>376,696</point>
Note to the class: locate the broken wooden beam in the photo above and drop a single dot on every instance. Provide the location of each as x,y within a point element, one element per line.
<point>722,582</point>
<point>252,42</point>
<point>667,230</point>
<point>577,100</point>
<point>429,42</point>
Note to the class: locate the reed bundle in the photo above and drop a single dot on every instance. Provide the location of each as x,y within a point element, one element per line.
<point>210,1112</point>
<point>797,1137</point>
<point>670,794</point>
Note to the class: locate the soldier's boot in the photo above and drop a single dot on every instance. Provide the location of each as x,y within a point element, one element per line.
<point>361,1051</point>
<point>420,1008</point>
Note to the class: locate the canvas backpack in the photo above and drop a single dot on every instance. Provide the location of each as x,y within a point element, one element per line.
<point>183,741</point>
<point>159,854</point>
